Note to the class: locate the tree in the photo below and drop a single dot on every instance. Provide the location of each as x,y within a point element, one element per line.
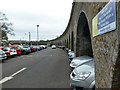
<point>5,26</point>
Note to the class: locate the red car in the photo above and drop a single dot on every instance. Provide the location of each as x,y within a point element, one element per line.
<point>18,49</point>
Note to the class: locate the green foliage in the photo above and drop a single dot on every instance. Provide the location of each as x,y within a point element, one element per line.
<point>5,25</point>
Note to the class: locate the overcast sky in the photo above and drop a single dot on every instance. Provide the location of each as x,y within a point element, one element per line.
<point>51,15</point>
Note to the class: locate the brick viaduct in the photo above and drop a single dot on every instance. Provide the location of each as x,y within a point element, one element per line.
<point>104,48</point>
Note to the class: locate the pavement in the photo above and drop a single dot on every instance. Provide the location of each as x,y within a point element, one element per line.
<point>48,68</point>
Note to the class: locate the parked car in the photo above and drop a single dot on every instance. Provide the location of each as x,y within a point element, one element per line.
<point>37,48</point>
<point>7,52</point>
<point>67,49</point>
<point>40,47</point>
<point>83,76</point>
<point>3,56</point>
<point>62,47</point>
<point>33,48</point>
<point>25,49</point>
<point>10,51</point>
<point>53,47</point>
<point>79,61</point>
<point>44,46</point>
<point>18,49</point>
<point>71,55</point>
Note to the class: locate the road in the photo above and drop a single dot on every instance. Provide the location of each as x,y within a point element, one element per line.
<point>48,68</point>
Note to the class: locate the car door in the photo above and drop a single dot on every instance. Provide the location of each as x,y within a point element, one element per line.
<point>13,51</point>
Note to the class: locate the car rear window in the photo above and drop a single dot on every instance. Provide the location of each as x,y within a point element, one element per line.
<point>25,47</point>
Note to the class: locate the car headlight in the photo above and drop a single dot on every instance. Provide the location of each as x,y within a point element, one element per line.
<point>73,64</point>
<point>82,75</point>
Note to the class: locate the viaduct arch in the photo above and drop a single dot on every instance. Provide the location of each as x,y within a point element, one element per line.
<point>104,48</point>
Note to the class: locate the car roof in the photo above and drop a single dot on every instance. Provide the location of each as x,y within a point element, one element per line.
<point>83,58</point>
<point>12,46</point>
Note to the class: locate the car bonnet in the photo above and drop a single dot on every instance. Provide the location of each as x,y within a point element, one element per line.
<point>79,62</point>
<point>85,67</point>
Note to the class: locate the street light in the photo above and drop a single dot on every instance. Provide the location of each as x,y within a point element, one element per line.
<point>29,38</point>
<point>37,34</point>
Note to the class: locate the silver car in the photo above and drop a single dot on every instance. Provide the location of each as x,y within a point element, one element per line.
<point>79,61</point>
<point>71,55</point>
<point>83,76</point>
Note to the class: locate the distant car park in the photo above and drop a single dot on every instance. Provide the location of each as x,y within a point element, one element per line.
<point>14,50</point>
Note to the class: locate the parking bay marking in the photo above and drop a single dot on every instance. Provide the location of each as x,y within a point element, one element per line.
<point>12,76</point>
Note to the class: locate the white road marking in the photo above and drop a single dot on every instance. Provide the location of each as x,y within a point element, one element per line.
<point>5,79</point>
<point>18,72</point>
<point>12,76</point>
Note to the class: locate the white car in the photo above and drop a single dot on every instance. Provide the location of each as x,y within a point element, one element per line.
<point>43,46</point>
<point>3,56</point>
<point>53,47</point>
<point>11,50</point>
<point>79,61</point>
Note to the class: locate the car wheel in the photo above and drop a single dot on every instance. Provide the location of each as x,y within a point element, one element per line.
<point>3,61</point>
<point>77,88</point>
<point>93,88</point>
<point>12,56</point>
<point>24,53</point>
<point>6,58</point>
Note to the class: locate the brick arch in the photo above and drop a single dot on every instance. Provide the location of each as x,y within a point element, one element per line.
<point>83,37</point>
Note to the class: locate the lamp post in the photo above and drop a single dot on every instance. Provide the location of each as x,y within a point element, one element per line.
<point>25,38</point>
<point>29,38</point>
<point>37,34</point>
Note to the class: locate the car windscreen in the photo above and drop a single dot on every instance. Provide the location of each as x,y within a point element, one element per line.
<point>90,63</point>
<point>18,47</point>
<point>5,49</point>
<point>84,58</point>
<point>12,48</point>
<point>25,47</point>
